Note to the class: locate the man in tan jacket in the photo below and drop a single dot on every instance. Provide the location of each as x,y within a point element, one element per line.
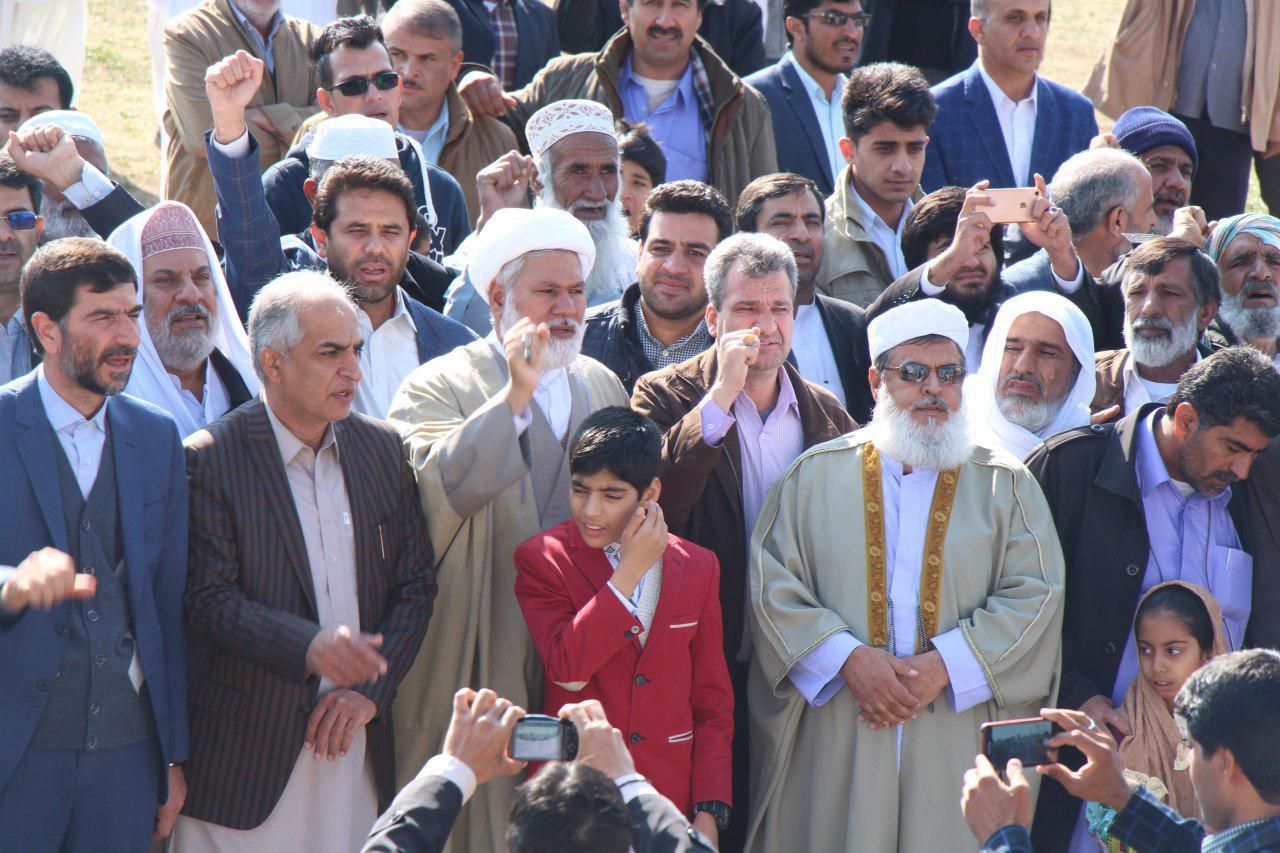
<point>200,38</point>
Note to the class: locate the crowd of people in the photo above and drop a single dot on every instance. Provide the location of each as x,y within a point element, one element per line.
<point>776,393</point>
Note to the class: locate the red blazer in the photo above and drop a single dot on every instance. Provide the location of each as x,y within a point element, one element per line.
<point>670,698</point>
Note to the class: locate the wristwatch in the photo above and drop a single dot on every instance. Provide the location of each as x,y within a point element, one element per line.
<point>717,809</point>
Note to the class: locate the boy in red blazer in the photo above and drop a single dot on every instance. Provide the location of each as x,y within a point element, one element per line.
<point>626,613</point>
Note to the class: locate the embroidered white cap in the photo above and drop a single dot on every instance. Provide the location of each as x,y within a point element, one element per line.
<point>555,121</point>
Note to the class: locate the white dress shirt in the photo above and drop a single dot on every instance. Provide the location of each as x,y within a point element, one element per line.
<point>812,349</point>
<point>888,238</point>
<point>1017,126</point>
<point>81,439</point>
<point>553,396</point>
<point>390,354</point>
<point>216,400</point>
<point>828,112</point>
<point>1138,391</point>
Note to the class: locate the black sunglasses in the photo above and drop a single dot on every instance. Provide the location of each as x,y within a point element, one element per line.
<point>836,18</point>
<point>354,87</point>
<point>21,220</point>
<point>915,373</point>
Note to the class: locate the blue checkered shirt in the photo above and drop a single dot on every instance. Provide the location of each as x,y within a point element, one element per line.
<point>15,349</point>
<point>659,354</point>
<point>1210,72</point>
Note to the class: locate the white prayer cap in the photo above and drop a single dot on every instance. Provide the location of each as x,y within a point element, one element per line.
<point>73,122</point>
<point>343,136</point>
<point>516,231</point>
<point>915,320</point>
<point>557,120</point>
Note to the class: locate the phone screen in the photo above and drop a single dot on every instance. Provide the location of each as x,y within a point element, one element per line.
<point>537,740</point>
<point>1021,739</point>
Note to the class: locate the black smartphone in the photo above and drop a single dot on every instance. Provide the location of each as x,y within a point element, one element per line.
<point>538,737</point>
<point>1025,740</point>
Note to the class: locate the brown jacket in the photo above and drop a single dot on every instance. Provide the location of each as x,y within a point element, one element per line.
<point>251,606</point>
<point>1109,372</point>
<point>702,485</point>
<point>194,41</point>
<point>740,147</point>
<point>1140,66</point>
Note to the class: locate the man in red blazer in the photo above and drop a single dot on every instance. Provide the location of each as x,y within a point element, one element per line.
<point>623,612</point>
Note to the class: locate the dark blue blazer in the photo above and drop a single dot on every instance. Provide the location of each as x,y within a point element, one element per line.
<point>537,44</point>
<point>255,254</point>
<point>151,477</point>
<point>966,145</point>
<point>801,148</point>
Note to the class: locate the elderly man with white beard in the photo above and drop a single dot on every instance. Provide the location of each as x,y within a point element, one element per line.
<point>906,587</point>
<point>488,427</point>
<point>1246,249</point>
<point>1171,294</point>
<point>1036,377</point>
<point>62,217</point>
<point>573,166</point>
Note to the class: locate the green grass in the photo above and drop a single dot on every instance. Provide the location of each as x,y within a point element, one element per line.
<point>117,86</point>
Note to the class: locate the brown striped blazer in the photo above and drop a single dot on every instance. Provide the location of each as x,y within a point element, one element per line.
<point>251,611</point>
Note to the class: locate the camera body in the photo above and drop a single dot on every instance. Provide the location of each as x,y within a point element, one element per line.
<point>538,737</point>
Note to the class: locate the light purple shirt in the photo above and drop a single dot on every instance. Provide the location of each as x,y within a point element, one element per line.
<point>1193,539</point>
<point>905,496</point>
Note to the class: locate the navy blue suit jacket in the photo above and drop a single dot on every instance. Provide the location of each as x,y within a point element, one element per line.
<point>966,145</point>
<point>538,39</point>
<point>804,151</point>
<point>254,253</point>
<point>151,479</point>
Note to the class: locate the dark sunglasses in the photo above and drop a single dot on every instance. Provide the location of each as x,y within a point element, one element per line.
<point>836,18</point>
<point>21,220</point>
<point>354,87</point>
<point>915,373</point>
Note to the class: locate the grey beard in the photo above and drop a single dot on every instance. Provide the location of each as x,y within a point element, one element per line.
<point>558,354</point>
<point>1155,352</point>
<point>614,248</point>
<point>181,353</point>
<point>59,222</point>
<point>1031,415</point>
<point>1249,324</point>
<point>933,447</point>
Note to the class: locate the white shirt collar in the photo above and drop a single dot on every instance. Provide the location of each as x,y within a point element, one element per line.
<point>62,414</point>
<point>399,315</point>
<point>290,445</point>
<point>871,218</point>
<point>811,85</point>
<point>999,98</point>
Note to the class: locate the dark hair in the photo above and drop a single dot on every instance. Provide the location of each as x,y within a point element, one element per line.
<point>1185,606</point>
<point>1151,257</point>
<point>623,442</point>
<point>799,9</point>
<point>687,197</point>
<point>22,66</point>
<point>58,270</point>
<point>936,216</point>
<point>357,31</point>
<point>637,145</point>
<point>568,808</point>
<point>702,5</point>
<point>1233,702</point>
<point>433,18</point>
<point>362,172</point>
<point>767,188</point>
<point>1236,382</point>
<point>886,91</point>
<point>16,179</point>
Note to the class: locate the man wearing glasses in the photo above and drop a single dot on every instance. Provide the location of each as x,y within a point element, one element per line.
<point>19,235</point>
<point>355,77</point>
<point>804,88</point>
<point>906,587</point>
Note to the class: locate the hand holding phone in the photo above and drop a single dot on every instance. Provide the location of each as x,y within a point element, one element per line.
<point>1025,740</point>
<point>1012,205</point>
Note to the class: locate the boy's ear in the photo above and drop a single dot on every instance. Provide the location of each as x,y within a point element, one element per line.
<point>652,493</point>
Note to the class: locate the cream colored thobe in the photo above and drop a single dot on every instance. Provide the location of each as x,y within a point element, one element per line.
<point>999,606</point>
<point>475,479</point>
<point>59,26</point>
<point>326,805</point>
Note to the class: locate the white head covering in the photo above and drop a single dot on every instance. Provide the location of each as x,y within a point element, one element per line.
<point>557,120</point>
<point>516,231</point>
<point>73,122</point>
<point>1075,407</point>
<point>150,381</point>
<point>915,320</point>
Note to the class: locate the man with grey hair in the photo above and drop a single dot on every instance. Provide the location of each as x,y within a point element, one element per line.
<point>735,417</point>
<point>488,427</point>
<point>310,586</point>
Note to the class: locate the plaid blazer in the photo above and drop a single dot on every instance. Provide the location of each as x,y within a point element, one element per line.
<point>251,609</point>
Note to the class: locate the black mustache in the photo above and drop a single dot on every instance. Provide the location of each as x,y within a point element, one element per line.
<point>658,32</point>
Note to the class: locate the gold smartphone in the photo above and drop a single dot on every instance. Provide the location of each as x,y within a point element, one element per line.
<point>1011,205</point>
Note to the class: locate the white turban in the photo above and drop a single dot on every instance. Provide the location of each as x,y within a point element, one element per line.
<point>343,136</point>
<point>516,231</point>
<point>72,122</point>
<point>915,320</point>
<point>557,120</point>
<point>1075,406</point>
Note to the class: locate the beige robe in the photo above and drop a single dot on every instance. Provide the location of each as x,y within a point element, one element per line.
<point>478,498</point>
<point>823,781</point>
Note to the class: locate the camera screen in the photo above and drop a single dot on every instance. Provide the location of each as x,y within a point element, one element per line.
<point>536,740</point>
<point>1024,741</point>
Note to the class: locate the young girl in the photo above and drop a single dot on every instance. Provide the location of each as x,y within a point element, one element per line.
<point>1178,628</point>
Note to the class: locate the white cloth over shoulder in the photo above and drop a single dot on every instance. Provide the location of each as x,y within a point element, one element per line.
<point>982,386</point>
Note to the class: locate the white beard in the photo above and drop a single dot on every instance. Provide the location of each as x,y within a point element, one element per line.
<point>1031,415</point>
<point>933,447</point>
<point>1249,324</point>
<point>558,353</point>
<point>59,222</point>
<point>614,249</point>
<point>1156,352</point>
